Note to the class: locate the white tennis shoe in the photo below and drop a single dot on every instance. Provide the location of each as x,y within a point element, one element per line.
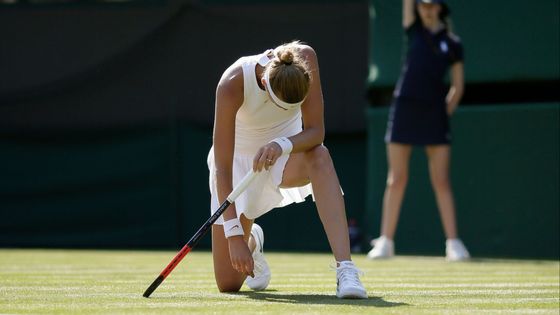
<point>455,250</point>
<point>261,270</point>
<point>348,284</point>
<point>383,247</point>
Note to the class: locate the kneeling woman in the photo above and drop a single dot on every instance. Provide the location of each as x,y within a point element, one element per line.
<point>269,117</point>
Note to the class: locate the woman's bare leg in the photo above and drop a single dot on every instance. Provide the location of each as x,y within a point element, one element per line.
<point>439,160</point>
<point>316,166</point>
<point>398,156</point>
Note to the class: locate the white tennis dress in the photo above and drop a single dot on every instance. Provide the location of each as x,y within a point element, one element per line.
<point>258,122</point>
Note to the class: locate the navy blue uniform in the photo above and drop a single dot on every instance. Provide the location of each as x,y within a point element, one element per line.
<point>418,115</point>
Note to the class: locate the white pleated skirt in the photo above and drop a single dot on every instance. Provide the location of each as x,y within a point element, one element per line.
<point>263,194</point>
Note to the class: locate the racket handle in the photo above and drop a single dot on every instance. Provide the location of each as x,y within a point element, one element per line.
<point>153,286</point>
<point>241,186</point>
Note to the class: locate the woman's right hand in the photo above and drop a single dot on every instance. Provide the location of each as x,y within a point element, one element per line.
<point>240,255</point>
<point>266,156</point>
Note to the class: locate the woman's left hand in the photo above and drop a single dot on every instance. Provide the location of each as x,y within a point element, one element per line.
<point>266,156</point>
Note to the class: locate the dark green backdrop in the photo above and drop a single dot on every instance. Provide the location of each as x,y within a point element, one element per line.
<point>148,187</point>
<point>138,188</point>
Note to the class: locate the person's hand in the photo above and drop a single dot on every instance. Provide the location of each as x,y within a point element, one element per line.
<point>241,258</point>
<point>266,156</point>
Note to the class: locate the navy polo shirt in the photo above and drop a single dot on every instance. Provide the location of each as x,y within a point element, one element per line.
<point>428,58</point>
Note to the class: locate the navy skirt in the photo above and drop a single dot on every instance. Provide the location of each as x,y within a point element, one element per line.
<point>418,123</point>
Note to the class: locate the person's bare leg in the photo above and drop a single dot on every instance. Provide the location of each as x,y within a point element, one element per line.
<point>227,278</point>
<point>439,160</point>
<point>316,166</point>
<point>398,156</point>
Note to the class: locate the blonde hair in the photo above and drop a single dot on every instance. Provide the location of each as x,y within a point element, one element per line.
<point>289,73</point>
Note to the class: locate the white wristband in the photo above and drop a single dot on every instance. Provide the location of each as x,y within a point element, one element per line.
<point>285,144</point>
<point>233,228</point>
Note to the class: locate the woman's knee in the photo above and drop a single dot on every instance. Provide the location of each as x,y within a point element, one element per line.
<point>397,179</point>
<point>440,182</point>
<point>228,285</point>
<point>319,158</point>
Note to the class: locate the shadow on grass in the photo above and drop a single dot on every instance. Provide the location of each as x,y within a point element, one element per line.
<point>325,299</point>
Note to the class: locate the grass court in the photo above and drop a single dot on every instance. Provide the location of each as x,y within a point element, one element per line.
<point>112,282</point>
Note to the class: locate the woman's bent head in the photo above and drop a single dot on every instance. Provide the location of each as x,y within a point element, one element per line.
<point>288,73</point>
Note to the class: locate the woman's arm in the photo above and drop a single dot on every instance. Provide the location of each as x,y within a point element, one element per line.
<point>229,98</point>
<point>408,13</point>
<point>457,88</point>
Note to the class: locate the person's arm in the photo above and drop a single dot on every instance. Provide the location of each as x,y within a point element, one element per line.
<point>229,98</point>
<point>408,13</point>
<point>312,109</point>
<point>457,87</point>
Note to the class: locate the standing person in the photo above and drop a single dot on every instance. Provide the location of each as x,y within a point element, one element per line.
<point>420,116</point>
<point>261,103</point>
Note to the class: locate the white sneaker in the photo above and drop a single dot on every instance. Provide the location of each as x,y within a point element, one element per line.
<point>261,270</point>
<point>348,285</point>
<point>455,250</point>
<point>382,248</point>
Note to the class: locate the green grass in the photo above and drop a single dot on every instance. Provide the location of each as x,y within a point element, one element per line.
<point>112,282</point>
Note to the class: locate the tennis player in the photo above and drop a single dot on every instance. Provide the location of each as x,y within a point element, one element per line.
<point>420,116</point>
<point>269,118</point>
